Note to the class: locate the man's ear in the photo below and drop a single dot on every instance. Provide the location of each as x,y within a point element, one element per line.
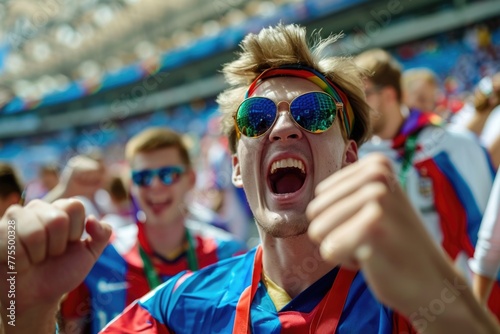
<point>350,153</point>
<point>237,181</point>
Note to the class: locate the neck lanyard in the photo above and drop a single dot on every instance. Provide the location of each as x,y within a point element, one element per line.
<point>334,301</point>
<point>151,274</point>
<point>409,152</point>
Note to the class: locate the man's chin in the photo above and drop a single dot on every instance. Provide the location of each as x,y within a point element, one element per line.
<point>284,230</point>
<point>155,218</point>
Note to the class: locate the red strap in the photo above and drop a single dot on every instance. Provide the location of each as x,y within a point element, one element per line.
<point>333,304</point>
<point>242,318</point>
<point>143,240</point>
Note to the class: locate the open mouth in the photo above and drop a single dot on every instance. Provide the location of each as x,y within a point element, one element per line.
<point>158,206</point>
<point>287,176</point>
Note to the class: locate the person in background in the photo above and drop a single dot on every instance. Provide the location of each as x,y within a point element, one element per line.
<point>48,179</point>
<point>11,188</point>
<point>216,192</point>
<point>122,213</point>
<point>82,177</point>
<point>446,173</point>
<point>486,99</point>
<point>49,176</point>
<point>483,116</point>
<point>486,119</point>
<point>421,90</point>
<point>163,242</point>
<point>486,262</point>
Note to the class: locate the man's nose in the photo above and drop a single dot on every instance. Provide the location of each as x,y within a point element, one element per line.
<point>156,182</point>
<point>285,127</point>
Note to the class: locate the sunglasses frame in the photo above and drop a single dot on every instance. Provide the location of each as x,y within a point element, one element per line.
<point>339,108</point>
<point>156,173</point>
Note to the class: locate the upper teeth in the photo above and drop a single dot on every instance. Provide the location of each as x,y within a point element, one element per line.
<point>284,163</point>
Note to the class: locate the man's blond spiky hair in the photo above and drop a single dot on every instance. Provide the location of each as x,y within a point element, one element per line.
<point>283,45</point>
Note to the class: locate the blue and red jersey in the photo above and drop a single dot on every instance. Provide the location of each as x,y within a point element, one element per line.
<point>118,277</point>
<point>449,181</point>
<point>206,302</point>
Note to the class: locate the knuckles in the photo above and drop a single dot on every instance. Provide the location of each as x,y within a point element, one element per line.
<point>58,220</point>
<point>37,238</point>
<point>380,170</point>
<point>375,191</point>
<point>37,204</point>
<point>374,226</point>
<point>310,211</point>
<point>13,212</point>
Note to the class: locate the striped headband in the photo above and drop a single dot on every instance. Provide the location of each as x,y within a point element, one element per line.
<point>299,71</point>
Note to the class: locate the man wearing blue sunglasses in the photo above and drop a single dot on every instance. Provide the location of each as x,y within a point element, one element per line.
<point>165,241</point>
<point>336,233</point>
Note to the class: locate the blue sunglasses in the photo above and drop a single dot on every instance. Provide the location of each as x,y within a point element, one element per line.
<point>168,175</point>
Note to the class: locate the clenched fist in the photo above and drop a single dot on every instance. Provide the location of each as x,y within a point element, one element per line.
<point>42,258</point>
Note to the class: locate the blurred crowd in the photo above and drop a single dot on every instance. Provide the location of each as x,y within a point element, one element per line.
<point>135,173</point>
<point>451,74</point>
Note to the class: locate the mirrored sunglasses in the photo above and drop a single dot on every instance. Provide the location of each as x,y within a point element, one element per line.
<point>168,175</point>
<point>314,112</point>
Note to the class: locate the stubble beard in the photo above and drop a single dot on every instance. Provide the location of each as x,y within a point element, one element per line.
<point>284,230</point>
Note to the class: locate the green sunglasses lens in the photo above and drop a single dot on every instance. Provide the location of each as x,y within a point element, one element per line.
<point>255,116</point>
<point>314,111</point>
